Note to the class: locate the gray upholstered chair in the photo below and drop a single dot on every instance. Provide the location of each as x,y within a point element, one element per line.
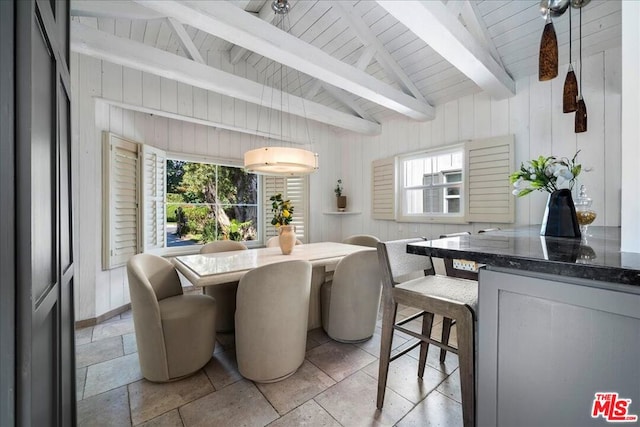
<point>449,297</point>
<point>225,293</point>
<point>273,242</point>
<point>350,302</point>
<point>362,240</point>
<point>272,311</point>
<point>175,333</point>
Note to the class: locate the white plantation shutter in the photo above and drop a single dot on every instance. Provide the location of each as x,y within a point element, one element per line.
<point>154,174</point>
<point>383,187</point>
<point>121,166</point>
<point>293,188</point>
<point>488,163</point>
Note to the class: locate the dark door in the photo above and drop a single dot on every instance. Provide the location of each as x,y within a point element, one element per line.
<point>41,389</point>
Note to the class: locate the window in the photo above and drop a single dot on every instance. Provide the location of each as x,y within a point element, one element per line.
<point>432,184</point>
<point>207,202</point>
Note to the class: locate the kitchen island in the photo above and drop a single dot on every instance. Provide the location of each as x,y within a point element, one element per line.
<point>558,322</point>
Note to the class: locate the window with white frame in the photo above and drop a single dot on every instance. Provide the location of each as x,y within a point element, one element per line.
<point>432,184</point>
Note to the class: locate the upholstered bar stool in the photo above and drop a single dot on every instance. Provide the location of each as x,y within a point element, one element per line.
<point>350,301</point>
<point>175,333</point>
<point>446,296</point>
<point>225,294</point>
<point>272,311</point>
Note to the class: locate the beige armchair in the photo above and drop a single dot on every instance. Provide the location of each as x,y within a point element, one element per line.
<point>273,242</point>
<point>351,300</point>
<point>271,320</point>
<point>175,333</point>
<point>362,240</point>
<point>225,294</point>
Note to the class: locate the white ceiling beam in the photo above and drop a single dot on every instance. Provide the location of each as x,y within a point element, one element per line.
<point>384,58</point>
<point>435,25</point>
<point>345,99</point>
<point>475,23</point>
<point>241,28</point>
<point>101,45</point>
<point>455,7</point>
<point>187,45</point>
<point>112,9</point>
<point>267,15</point>
<point>190,119</point>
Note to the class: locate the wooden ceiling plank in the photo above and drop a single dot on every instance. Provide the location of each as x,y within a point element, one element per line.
<point>101,45</point>
<point>187,45</point>
<point>242,28</point>
<point>431,22</point>
<point>387,62</point>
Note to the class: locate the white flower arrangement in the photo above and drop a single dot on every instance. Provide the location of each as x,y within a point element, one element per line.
<point>545,174</point>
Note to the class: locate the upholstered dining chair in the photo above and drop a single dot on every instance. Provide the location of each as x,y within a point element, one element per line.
<point>273,242</point>
<point>225,293</point>
<point>175,333</point>
<point>350,301</point>
<point>362,240</point>
<point>272,311</point>
<point>432,294</point>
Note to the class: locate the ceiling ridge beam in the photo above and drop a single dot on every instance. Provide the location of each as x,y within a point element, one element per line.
<point>239,27</point>
<point>443,32</point>
<point>104,46</point>
<point>188,47</point>
<point>384,58</point>
<point>267,15</point>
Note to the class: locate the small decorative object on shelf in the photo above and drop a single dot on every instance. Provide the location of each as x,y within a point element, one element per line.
<point>282,216</point>
<point>557,177</point>
<point>586,215</point>
<point>340,199</point>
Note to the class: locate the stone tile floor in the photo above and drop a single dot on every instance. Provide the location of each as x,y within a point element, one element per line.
<point>335,386</point>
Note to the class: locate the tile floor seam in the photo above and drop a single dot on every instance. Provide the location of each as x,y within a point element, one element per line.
<point>325,409</point>
<point>267,399</point>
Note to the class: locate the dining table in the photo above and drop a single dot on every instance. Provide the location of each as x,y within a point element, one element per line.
<point>224,267</point>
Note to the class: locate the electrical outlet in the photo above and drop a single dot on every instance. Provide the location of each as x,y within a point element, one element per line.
<point>463,264</point>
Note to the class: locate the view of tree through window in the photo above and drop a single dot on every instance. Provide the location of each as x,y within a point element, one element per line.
<point>207,202</point>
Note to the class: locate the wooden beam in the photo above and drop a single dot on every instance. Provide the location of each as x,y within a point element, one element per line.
<point>190,119</point>
<point>345,99</point>
<point>433,23</point>
<point>267,15</point>
<point>187,45</point>
<point>241,28</point>
<point>475,24</point>
<point>112,9</point>
<point>366,36</point>
<point>101,45</point>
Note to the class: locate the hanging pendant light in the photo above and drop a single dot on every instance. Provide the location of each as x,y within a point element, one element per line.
<point>283,161</point>
<point>570,91</point>
<point>548,58</point>
<point>581,112</point>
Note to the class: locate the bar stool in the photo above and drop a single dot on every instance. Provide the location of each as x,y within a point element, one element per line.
<point>449,297</point>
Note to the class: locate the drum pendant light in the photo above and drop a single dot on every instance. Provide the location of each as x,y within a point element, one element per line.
<point>570,91</point>
<point>581,112</point>
<point>548,58</point>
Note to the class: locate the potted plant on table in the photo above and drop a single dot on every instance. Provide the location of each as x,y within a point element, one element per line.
<point>340,199</point>
<point>282,217</point>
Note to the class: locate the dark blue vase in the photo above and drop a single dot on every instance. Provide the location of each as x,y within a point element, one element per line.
<point>560,218</point>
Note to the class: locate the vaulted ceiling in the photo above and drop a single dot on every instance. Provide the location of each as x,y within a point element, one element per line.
<point>355,63</point>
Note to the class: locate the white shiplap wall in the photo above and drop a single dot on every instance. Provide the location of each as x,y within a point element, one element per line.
<point>533,115</point>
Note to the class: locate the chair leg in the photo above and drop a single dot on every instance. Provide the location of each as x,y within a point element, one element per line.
<point>427,324</point>
<point>446,331</point>
<point>388,321</point>
<point>466,354</point>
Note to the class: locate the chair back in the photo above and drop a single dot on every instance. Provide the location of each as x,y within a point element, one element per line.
<point>222,246</point>
<point>397,265</point>
<point>362,240</point>
<point>355,297</point>
<point>152,276</point>
<point>462,233</point>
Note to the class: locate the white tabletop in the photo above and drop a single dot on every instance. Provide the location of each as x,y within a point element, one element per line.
<point>223,267</point>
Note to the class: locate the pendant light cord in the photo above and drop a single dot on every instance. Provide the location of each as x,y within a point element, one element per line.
<point>580,51</point>
<point>570,38</point>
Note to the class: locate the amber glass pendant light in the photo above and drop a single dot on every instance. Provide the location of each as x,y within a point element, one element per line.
<point>548,58</point>
<point>581,112</point>
<point>570,91</point>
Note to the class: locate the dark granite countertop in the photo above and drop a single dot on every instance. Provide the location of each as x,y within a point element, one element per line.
<point>597,257</point>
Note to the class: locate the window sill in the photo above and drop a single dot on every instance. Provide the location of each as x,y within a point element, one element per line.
<point>433,219</point>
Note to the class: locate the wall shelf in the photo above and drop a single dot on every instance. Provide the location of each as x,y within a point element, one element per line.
<point>342,213</point>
